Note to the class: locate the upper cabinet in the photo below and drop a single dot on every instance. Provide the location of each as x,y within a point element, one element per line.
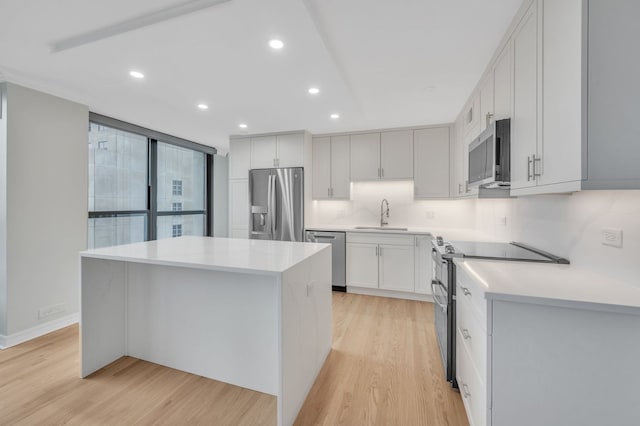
<point>524,125</point>
<point>330,167</point>
<point>277,151</point>
<point>503,84</point>
<point>365,157</point>
<point>431,162</point>
<point>386,155</point>
<point>239,158</point>
<point>396,154</point>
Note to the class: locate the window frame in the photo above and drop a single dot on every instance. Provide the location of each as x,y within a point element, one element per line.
<point>152,213</point>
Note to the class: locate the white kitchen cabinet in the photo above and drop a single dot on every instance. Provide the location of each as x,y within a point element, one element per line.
<point>239,158</point>
<point>431,162</point>
<point>386,156</point>
<point>263,152</point>
<point>423,264</point>
<point>239,208</point>
<point>330,167</point>
<point>471,116</point>
<point>290,150</point>
<point>362,265</point>
<point>277,151</point>
<point>395,272</point>
<point>396,154</point>
<point>503,84</point>
<point>524,125</point>
<point>486,101</point>
<point>365,157</point>
<point>384,261</point>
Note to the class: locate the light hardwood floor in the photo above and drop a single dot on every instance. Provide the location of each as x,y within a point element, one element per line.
<point>384,369</point>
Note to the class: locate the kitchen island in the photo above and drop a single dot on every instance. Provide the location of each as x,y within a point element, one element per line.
<point>252,313</point>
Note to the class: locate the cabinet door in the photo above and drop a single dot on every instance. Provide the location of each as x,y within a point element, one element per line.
<point>290,150</point>
<point>562,93</point>
<point>239,207</point>
<point>340,183</point>
<point>524,126</point>
<point>239,158</point>
<point>365,157</point>
<point>457,160</point>
<point>423,264</point>
<point>263,152</point>
<point>503,83</point>
<point>396,267</point>
<point>362,265</point>
<point>486,101</point>
<point>431,163</point>
<point>321,180</point>
<point>396,154</point>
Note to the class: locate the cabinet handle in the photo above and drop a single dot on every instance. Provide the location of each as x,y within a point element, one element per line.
<point>459,188</point>
<point>376,251</point>
<point>466,186</point>
<point>488,119</point>
<point>465,334</point>
<point>378,172</point>
<point>465,291</point>
<point>332,192</point>
<point>328,192</point>
<point>529,161</point>
<point>465,390</point>
<point>380,251</point>
<point>382,172</point>
<point>539,159</point>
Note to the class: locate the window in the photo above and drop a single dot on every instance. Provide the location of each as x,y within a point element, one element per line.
<point>145,185</point>
<point>177,187</point>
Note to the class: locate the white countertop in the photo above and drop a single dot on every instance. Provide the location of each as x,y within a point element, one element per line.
<point>552,284</point>
<point>222,254</point>
<point>447,233</point>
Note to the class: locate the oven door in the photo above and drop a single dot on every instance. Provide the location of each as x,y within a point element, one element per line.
<point>441,305</point>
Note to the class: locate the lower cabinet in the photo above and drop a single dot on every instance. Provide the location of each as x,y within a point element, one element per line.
<point>384,261</point>
<point>532,362</point>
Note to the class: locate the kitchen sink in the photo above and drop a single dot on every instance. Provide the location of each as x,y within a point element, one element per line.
<point>382,228</point>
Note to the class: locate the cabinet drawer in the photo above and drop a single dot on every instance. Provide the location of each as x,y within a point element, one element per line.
<point>474,335</point>
<point>469,289</point>
<point>373,238</point>
<point>472,389</point>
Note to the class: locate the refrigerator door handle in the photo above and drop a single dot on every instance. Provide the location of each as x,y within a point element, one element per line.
<point>272,205</point>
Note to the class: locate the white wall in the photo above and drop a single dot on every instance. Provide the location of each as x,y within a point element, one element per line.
<point>46,211</point>
<point>364,208</point>
<point>571,226</point>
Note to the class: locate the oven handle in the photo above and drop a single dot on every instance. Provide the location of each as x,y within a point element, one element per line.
<point>434,284</point>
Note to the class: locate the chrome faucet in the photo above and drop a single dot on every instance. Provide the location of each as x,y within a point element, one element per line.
<point>383,212</point>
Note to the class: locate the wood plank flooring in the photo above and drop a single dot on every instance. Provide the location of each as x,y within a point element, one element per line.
<point>383,370</point>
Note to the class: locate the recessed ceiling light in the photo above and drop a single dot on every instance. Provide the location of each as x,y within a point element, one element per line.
<point>314,90</point>
<point>276,44</point>
<point>335,116</point>
<point>242,125</point>
<point>136,74</point>
<point>203,106</point>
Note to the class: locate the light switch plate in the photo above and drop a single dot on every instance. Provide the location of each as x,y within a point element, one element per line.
<point>612,237</point>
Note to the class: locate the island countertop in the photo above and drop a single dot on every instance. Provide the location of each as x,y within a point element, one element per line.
<point>219,254</point>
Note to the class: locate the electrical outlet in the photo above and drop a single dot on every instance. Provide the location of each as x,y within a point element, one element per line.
<point>431,214</point>
<point>612,237</point>
<point>502,220</point>
<point>49,311</point>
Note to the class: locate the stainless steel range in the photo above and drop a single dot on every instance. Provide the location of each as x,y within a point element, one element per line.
<point>444,288</point>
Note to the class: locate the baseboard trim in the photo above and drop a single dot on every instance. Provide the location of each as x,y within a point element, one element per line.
<point>390,293</point>
<point>37,331</point>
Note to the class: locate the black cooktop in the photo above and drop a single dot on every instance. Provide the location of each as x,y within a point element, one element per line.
<point>503,251</point>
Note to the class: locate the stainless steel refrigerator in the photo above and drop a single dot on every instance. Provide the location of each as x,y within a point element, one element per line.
<point>276,197</point>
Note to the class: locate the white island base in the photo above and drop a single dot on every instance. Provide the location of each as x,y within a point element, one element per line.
<point>255,314</point>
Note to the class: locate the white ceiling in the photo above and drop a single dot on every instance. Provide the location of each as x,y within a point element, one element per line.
<point>378,63</point>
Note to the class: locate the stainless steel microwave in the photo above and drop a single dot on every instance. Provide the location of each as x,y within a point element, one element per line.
<point>489,156</point>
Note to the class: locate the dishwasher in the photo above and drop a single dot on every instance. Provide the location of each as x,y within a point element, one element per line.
<point>338,255</point>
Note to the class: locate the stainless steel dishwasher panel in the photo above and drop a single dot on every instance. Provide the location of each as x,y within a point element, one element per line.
<point>338,255</point>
